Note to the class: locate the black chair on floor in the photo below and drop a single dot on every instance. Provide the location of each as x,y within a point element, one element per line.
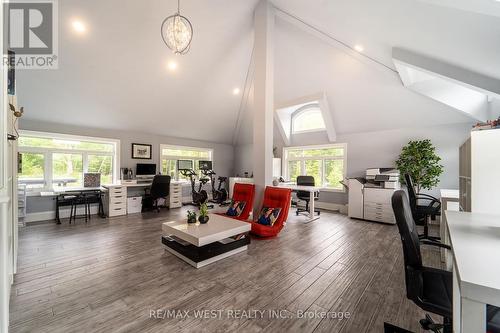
<point>304,195</point>
<point>422,213</point>
<point>160,189</point>
<point>79,199</point>
<point>95,197</point>
<point>429,288</point>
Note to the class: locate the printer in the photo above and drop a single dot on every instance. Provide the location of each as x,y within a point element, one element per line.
<point>369,196</point>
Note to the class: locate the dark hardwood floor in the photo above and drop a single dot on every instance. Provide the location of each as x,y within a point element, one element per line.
<point>109,275</point>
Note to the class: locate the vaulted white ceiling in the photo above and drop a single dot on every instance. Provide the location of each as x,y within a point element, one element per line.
<point>115,76</point>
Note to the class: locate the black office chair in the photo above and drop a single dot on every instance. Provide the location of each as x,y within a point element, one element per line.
<point>429,288</point>
<point>160,189</point>
<point>422,213</point>
<point>304,195</point>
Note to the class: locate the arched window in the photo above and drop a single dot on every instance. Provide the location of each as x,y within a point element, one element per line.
<point>308,119</point>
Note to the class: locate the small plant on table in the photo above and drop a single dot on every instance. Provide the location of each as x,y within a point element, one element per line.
<point>203,218</point>
<point>191,216</point>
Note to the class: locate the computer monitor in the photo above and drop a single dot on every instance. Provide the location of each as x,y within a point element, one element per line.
<point>145,169</point>
<point>185,165</point>
<point>205,165</point>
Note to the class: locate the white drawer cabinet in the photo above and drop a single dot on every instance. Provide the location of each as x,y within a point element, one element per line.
<point>175,199</point>
<point>377,205</point>
<point>115,203</point>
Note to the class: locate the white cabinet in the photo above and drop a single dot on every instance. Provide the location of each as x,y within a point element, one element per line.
<point>370,203</point>
<point>479,165</point>
<point>115,203</point>
<point>378,206</point>
<point>175,200</point>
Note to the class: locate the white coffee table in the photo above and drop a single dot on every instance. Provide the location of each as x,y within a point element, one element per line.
<point>202,244</point>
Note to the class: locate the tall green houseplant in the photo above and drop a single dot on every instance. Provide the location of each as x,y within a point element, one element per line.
<point>419,159</point>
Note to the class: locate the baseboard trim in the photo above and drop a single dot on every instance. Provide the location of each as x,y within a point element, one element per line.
<point>342,209</point>
<point>51,215</point>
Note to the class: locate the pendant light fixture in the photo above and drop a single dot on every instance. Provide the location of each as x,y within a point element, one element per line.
<point>177,32</point>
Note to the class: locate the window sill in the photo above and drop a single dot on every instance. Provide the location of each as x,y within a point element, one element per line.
<point>319,130</point>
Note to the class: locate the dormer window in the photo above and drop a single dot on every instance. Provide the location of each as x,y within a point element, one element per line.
<point>308,119</point>
<point>305,115</point>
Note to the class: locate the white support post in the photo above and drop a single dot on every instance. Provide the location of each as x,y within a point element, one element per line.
<point>263,100</point>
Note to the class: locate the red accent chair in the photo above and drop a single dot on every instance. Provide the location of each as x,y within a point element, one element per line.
<point>243,192</point>
<point>274,197</point>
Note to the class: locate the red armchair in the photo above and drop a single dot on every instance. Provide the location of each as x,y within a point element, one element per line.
<point>274,197</point>
<point>244,192</point>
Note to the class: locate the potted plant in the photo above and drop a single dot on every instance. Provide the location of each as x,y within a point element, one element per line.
<point>420,161</point>
<point>203,218</point>
<point>191,216</point>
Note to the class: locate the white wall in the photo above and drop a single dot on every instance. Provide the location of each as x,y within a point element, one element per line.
<point>243,159</point>
<point>223,158</point>
<point>381,149</point>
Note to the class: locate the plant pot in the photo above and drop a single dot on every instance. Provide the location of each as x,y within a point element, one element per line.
<point>192,220</point>
<point>203,219</point>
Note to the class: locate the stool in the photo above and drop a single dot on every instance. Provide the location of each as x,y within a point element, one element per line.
<point>79,199</point>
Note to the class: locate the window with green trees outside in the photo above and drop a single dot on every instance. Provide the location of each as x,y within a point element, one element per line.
<point>50,159</point>
<point>325,163</point>
<point>171,154</point>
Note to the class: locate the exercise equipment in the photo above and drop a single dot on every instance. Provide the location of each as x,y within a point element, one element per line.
<point>199,196</point>
<point>219,194</point>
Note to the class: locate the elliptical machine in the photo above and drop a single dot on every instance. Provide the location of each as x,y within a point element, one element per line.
<point>199,196</point>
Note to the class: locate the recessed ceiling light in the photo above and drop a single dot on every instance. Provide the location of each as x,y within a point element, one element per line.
<point>359,48</point>
<point>79,26</point>
<point>172,65</point>
<point>236,91</point>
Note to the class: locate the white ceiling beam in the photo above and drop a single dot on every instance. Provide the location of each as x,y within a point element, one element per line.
<point>468,92</point>
<point>474,80</point>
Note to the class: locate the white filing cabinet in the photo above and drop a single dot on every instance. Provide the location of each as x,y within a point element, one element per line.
<point>175,199</point>
<point>116,200</point>
<point>377,205</point>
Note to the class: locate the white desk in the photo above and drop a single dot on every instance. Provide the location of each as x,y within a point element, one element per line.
<point>56,190</point>
<point>311,190</point>
<point>449,201</point>
<point>475,242</point>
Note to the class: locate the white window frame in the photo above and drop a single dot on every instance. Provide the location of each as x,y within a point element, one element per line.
<point>305,109</point>
<point>343,158</point>
<point>174,157</point>
<point>48,153</point>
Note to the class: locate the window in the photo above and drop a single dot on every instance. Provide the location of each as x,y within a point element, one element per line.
<point>308,119</point>
<point>31,169</point>
<point>171,154</point>
<point>48,159</point>
<point>325,163</point>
